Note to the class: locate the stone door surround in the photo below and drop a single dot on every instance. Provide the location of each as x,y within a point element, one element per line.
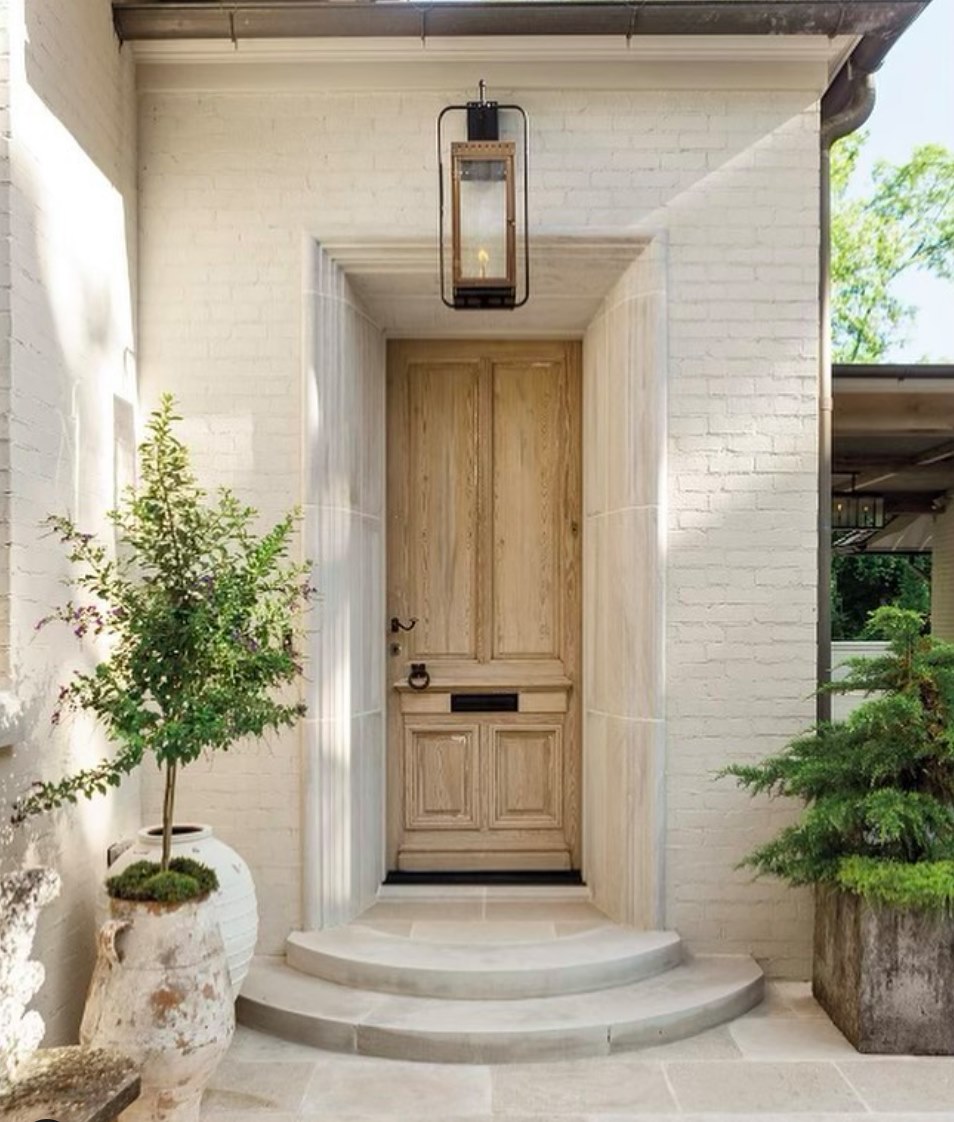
<point>610,292</point>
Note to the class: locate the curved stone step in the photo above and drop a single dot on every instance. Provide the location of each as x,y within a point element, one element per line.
<point>373,960</point>
<point>690,998</point>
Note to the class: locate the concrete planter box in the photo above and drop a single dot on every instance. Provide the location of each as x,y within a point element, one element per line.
<point>886,978</point>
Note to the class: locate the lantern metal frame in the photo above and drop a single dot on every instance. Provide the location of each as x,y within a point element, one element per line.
<point>484,143</point>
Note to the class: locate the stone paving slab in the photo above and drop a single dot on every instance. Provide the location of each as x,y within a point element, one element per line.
<point>783,1062</point>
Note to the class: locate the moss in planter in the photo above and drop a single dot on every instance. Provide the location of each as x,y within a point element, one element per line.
<point>921,886</point>
<point>184,880</point>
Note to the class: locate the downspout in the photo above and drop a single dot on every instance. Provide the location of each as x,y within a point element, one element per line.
<point>845,108</point>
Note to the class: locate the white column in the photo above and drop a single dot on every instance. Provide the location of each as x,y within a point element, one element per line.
<point>624,449</point>
<point>343,790</point>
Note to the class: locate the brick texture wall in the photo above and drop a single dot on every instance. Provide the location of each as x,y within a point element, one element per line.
<point>230,181</point>
<point>942,575</point>
<point>6,372</point>
<point>67,333</point>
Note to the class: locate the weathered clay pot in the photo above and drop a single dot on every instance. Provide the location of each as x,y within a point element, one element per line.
<point>234,900</point>
<point>160,994</point>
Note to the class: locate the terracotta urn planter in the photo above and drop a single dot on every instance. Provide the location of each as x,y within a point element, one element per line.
<point>885,976</point>
<point>160,994</point>
<point>234,901</point>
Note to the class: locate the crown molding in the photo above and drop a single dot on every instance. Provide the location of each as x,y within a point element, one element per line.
<point>527,48</point>
<point>549,63</point>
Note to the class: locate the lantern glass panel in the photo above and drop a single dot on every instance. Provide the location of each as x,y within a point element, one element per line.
<point>483,220</point>
<point>842,515</point>
<point>483,231</point>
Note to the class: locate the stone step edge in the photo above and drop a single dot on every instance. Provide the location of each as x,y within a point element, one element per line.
<point>585,1038</point>
<point>506,893</point>
<point>384,963</point>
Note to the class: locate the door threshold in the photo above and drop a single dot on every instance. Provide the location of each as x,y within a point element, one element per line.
<point>547,878</point>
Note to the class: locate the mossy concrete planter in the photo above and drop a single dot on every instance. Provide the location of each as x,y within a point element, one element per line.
<point>885,977</point>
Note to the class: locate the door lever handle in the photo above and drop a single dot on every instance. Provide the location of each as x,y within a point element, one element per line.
<point>397,625</point>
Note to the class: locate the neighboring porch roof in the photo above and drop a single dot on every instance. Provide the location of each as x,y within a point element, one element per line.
<point>894,436</point>
<point>245,19</point>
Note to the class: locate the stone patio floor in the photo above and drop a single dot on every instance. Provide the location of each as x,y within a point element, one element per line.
<point>784,1060</point>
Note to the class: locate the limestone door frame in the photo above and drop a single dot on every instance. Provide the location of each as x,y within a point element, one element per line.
<point>345,301</point>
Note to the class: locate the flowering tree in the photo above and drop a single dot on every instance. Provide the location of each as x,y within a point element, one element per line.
<point>203,616</point>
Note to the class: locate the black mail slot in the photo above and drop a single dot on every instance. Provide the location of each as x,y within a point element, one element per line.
<point>484,702</point>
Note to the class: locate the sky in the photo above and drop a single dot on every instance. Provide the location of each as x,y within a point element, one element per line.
<point>915,105</point>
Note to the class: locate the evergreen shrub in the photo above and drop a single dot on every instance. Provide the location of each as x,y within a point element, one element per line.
<point>878,787</point>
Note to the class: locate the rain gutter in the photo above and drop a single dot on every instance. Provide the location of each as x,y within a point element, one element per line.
<point>895,372</point>
<point>846,106</point>
<point>276,19</point>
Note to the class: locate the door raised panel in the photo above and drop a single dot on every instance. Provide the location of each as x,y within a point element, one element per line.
<point>527,777</point>
<point>529,461</point>
<point>443,505</point>
<point>441,770</point>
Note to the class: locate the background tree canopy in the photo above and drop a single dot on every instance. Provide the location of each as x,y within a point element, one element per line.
<point>903,222</point>
<point>861,582</point>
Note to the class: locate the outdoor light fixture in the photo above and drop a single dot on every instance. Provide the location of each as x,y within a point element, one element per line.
<point>857,512</point>
<point>483,192</point>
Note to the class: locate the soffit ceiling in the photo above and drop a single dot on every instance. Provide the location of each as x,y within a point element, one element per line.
<point>398,286</point>
<point>894,436</point>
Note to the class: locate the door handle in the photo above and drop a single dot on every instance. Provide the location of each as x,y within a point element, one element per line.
<point>397,625</point>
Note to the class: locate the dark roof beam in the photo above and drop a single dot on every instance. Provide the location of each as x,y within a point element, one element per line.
<point>938,454</point>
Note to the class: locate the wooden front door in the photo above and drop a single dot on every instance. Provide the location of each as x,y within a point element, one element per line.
<point>484,551</point>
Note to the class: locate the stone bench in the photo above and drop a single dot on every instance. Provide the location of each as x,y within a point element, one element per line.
<point>70,1085</point>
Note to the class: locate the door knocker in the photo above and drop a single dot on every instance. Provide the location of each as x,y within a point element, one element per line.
<point>418,679</point>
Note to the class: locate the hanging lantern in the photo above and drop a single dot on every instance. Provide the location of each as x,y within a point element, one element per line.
<point>483,226</point>
<point>851,511</point>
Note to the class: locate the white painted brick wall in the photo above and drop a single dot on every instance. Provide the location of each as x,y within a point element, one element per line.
<point>72,221</point>
<point>6,373</point>
<point>231,181</point>
<point>942,575</point>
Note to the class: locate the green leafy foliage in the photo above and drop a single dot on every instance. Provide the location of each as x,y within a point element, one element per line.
<point>926,886</point>
<point>877,786</point>
<point>905,222</point>
<point>203,621</point>
<point>185,879</point>
<point>862,582</point>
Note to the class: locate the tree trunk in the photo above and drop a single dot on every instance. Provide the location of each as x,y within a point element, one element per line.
<point>168,805</point>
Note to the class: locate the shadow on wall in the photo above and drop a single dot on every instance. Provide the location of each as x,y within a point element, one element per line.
<point>72,335</point>
<point>64,69</point>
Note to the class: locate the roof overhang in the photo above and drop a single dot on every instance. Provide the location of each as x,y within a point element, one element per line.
<point>237,20</point>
